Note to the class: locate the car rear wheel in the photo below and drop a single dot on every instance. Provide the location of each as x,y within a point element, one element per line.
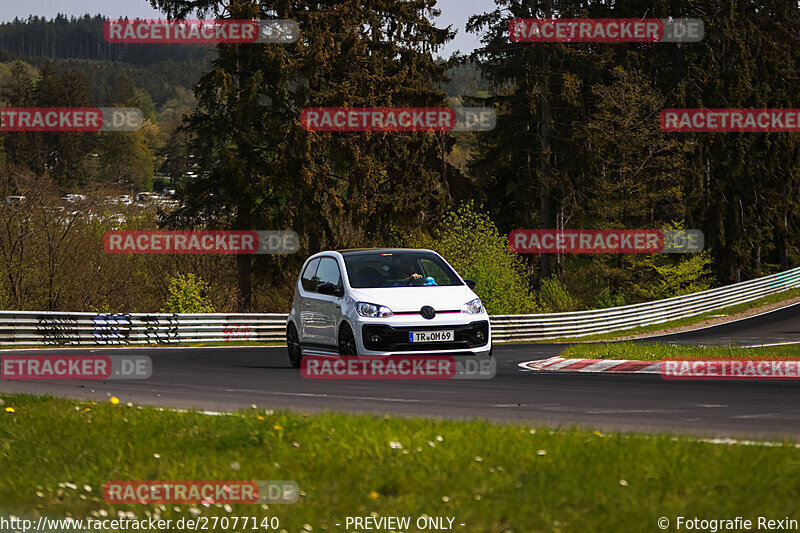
<point>293,345</point>
<point>347,341</point>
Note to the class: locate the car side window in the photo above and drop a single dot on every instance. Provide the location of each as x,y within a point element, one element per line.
<point>308,279</point>
<point>328,271</point>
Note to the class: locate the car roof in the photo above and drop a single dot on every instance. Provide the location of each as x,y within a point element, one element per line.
<point>357,251</point>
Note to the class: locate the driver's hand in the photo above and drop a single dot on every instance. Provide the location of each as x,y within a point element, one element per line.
<point>416,276</point>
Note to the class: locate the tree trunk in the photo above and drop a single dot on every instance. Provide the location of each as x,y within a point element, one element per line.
<point>784,234</point>
<point>244,264</point>
<point>546,170</point>
<point>244,268</point>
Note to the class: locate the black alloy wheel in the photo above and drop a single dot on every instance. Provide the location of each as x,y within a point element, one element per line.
<point>347,341</point>
<point>293,345</point>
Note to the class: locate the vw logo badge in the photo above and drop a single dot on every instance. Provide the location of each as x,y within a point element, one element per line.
<point>427,312</point>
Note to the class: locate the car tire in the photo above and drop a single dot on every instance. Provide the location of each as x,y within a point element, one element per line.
<point>293,345</point>
<point>347,340</point>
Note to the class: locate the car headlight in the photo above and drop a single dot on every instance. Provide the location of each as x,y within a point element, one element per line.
<point>473,307</point>
<point>373,310</point>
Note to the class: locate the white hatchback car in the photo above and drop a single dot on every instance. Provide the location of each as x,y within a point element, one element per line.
<point>383,302</point>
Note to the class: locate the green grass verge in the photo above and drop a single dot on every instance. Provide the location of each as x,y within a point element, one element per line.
<point>657,352</point>
<point>732,310</point>
<point>493,478</point>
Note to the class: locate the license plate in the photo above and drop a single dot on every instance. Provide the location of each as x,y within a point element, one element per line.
<point>430,336</point>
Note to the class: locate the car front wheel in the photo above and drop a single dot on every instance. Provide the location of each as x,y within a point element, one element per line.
<point>293,345</point>
<point>347,341</point>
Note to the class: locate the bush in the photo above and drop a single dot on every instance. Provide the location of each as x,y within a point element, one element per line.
<point>187,294</point>
<point>470,242</point>
<point>604,301</point>
<point>553,297</point>
<point>677,277</point>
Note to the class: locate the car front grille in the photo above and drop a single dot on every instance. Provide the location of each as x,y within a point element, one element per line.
<point>396,338</point>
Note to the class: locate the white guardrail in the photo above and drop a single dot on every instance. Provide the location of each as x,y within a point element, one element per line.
<point>33,328</point>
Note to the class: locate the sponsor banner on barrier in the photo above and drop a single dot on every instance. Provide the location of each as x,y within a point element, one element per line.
<point>398,119</point>
<point>148,31</point>
<point>75,367</point>
<point>239,332</point>
<point>201,242</point>
<point>111,328</point>
<point>608,30</point>
<point>200,492</point>
<point>596,241</point>
<point>741,369</point>
<point>71,119</point>
<point>399,367</point>
<point>720,120</point>
<point>57,330</point>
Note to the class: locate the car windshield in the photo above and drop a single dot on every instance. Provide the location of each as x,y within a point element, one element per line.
<point>398,269</point>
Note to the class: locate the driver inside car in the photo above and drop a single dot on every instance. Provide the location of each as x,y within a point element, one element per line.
<point>409,274</point>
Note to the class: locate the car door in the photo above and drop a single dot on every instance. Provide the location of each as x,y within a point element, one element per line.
<point>309,324</point>
<point>327,306</point>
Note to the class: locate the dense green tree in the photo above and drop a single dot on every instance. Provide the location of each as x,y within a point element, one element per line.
<point>64,155</point>
<point>20,149</point>
<point>260,169</point>
<point>538,90</point>
<point>740,189</point>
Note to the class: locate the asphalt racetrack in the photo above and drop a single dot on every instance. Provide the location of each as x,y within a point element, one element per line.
<point>229,378</point>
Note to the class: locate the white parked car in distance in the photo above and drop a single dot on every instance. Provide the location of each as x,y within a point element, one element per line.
<point>381,302</point>
<point>73,198</point>
<point>146,196</point>
<point>15,200</point>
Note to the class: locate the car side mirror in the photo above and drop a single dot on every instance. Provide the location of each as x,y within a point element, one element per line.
<point>470,283</point>
<point>330,289</point>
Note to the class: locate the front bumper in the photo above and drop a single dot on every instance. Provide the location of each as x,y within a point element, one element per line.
<point>468,338</point>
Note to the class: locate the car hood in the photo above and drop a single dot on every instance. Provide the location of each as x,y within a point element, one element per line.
<point>400,299</point>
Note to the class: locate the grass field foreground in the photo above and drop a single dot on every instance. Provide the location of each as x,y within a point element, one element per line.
<point>56,455</point>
